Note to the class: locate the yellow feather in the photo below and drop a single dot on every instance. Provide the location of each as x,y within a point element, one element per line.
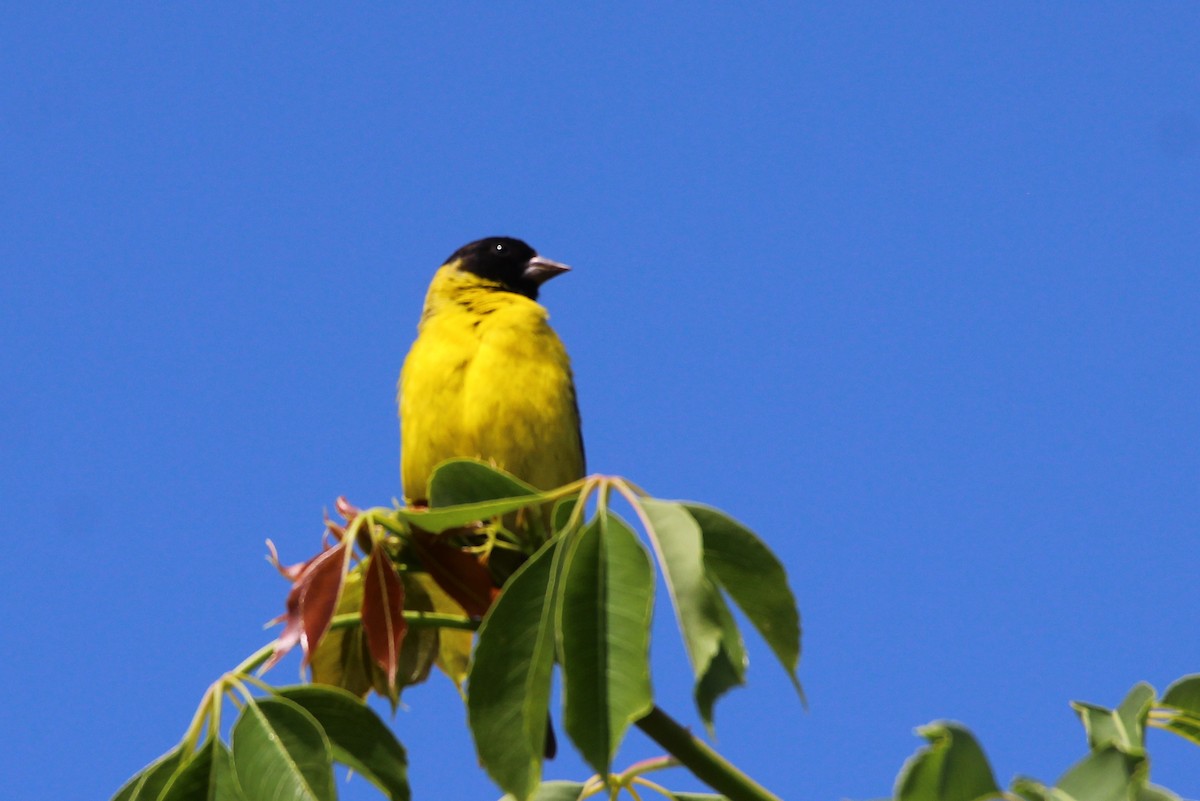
<point>487,378</point>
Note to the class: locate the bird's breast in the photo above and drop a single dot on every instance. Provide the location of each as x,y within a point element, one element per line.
<point>492,383</point>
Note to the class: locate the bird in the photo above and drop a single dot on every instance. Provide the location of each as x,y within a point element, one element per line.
<point>487,377</point>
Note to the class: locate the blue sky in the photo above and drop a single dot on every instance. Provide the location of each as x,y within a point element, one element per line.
<point>912,291</point>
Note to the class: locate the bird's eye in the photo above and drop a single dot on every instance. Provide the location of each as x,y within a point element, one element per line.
<point>498,248</point>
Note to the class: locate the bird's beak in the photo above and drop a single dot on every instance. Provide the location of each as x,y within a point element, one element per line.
<point>539,270</point>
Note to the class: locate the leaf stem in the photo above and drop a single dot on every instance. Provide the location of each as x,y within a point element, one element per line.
<point>203,714</point>
<point>256,659</point>
<point>441,620</point>
<point>697,756</point>
<point>415,619</point>
<point>580,507</point>
<point>631,496</point>
<point>658,788</point>
<point>649,766</point>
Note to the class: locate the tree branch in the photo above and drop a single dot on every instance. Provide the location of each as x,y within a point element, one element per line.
<point>697,756</point>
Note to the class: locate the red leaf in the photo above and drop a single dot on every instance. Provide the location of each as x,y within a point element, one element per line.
<point>346,509</point>
<point>333,530</point>
<point>382,608</point>
<point>290,572</point>
<point>311,603</point>
<point>321,585</point>
<point>457,571</point>
<point>290,635</point>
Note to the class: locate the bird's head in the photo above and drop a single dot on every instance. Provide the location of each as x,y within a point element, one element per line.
<point>509,262</point>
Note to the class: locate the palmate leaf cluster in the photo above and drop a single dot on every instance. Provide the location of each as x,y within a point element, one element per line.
<point>282,746</point>
<point>1117,767</point>
<point>396,591</point>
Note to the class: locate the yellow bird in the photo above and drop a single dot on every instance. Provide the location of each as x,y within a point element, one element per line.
<point>487,377</point>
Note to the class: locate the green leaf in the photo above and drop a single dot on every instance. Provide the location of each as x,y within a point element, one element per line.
<point>726,671</point>
<point>280,751</point>
<point>951,768</point>
<point>1152,792</point>
<point>1183,698</point>
<point>697,797</point>
<point>1033,790</point>
<point>604,611</point>
<point>1106,774</point>
<point>462,481</point>
<point>148,783</point>
<point>436,521</point>
<point>508,684</point>
<point>1123,727</point>
<point>554,791</point>
<point>208,775</point>
<point>1184,694</point>
<point>709,632</point>
<point>357,737</point>
<point>756,581</point>
<point>1103,775</point>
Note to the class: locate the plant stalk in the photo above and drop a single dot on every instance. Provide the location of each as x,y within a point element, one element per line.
<point>697,756</point>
